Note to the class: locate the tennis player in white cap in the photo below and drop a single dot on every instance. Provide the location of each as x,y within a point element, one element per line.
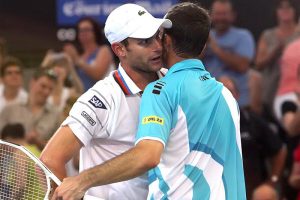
<point>103,122</point>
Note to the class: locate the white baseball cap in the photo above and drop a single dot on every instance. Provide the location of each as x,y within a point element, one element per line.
<point>131,20</point>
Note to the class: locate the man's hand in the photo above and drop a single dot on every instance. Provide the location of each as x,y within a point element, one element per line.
<point>71,51</point>
<point>70,189</point>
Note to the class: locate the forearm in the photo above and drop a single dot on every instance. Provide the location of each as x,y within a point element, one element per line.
<point>126,166</point>
<point>78,86</point>
<point>95,72</point>
<point>235,62</point>
<point>263,61</point>
<point>293,127</point>
<point>59,150</point>
<point>57,167</point>
<point>278,162</point>
<point>295,182</point>
<point>294,179</point>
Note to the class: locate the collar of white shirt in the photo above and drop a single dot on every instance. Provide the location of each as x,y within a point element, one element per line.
<point>127,84</point>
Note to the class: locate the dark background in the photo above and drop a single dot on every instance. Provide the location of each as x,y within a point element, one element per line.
<point>29,27</point>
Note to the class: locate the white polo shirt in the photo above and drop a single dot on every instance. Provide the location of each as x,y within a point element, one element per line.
<point>105,120</point>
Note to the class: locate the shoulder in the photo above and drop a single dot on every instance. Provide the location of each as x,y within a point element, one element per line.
<point>295,45</point>
<point>241,32</point>
<point>15,108</point>
<point>23,93</point>
<point>106,91</point>
<point>269,32</point>
<point>104,49</point>
<point>155,89</point>
<point>165,83</point>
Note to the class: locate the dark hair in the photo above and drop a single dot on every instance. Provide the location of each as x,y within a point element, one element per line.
<point>291,3</point>
<point>190,29</point>
<point>125,42</point>
<point>8,62</point>
<point>40,72</point>
<point>97,30</point>
<point>15,131</point>
<point>224,2</point>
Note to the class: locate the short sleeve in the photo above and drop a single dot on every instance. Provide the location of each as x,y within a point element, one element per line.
<point>246,46</point>
<point>155,116</point>
<point>88,116</point>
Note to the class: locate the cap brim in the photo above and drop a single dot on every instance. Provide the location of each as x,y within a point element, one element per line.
<point>148,29</point>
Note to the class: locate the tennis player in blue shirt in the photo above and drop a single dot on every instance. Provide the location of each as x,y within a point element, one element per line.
<point>189,136</point>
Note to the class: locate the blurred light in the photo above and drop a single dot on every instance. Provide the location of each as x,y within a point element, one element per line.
<point>66,34</point>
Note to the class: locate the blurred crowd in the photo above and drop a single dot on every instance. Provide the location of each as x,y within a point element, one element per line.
<point>263,76</point>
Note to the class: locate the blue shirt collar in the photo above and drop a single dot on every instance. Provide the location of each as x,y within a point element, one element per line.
<point>186,64</point>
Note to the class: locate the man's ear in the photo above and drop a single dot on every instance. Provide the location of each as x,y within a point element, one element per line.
<point>167,43</point>
<point>119,49</point>
<point>168,40</point>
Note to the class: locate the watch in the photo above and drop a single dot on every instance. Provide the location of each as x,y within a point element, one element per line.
<point>274,178</point>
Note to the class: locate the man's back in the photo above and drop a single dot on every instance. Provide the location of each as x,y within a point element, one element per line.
<point>199,123</point>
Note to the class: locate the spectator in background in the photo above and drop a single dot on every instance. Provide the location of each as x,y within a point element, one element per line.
<point>94,58</point>
<point>255,83</point>
<point>68,83</point>
<point>12,79</point>
<point>230,49</point>
<point>261,144</point>
<point>2,52</point>
<point>15,133</point>
<point>39,118</point>
<point>286,102</point>
<point>287,98</point>
<point>269,50</point>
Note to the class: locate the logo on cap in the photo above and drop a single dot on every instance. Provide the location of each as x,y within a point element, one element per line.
<point>141,12</point>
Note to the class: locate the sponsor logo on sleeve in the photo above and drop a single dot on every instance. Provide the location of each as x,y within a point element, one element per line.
<point>158,86</point>
<point>203,78</point>
<point>153,120</point>
<point>88,118</point>
<point>96,102</point>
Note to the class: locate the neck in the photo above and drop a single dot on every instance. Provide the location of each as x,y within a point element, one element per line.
<point>34,106</point>
<point>221,31</point>
<point>287,26</point>
<point>10,93</point>
<point>139,77</point>
<point>173,58</point>
<point>89,47</point>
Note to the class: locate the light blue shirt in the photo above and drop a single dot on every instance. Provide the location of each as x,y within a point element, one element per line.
<point>197,121</point>
<point>238,41</point>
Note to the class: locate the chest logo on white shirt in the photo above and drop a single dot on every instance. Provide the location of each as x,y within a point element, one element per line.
<point>96,102</point>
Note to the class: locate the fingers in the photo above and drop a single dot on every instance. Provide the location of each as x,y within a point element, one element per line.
<point>68,190</point>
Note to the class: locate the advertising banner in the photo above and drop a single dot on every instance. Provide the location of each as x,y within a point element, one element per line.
<point>70,11</point>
